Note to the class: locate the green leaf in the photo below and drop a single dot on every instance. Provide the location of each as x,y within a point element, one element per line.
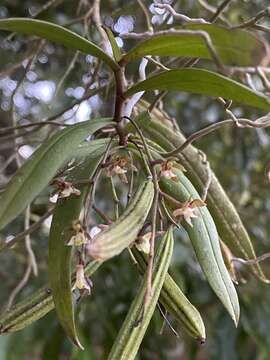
<point>205,241</point>
<point>234,47</point>
<point>66,211</point>
<point>57,34</point>
<point>199,81</point>
<point>115,48</point>
<point>40,168</point>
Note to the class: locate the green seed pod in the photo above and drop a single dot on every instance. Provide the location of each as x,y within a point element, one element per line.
<point>124,231</point>
<point>33,307</point>
<point>205,241</point>
<point>226,217</point>
<point>176,303</point>
<point>134,327</point>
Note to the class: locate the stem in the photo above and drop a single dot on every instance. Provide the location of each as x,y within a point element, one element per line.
<point>119,103</point>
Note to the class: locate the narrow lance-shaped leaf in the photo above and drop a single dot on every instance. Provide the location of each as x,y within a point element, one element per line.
<point>40,168</point>
<point>205,241</point>
<point>66,212</point>
<point>57,34</point>
<point>234,47</point>
<point>199,81</point>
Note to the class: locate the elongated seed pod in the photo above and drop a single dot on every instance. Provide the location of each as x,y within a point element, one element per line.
<point>134,327</point>
<point>124,231</point>
<point>205,241</point>
<point>226,217</point>
<point>34,306</point>
<point>177,304</point>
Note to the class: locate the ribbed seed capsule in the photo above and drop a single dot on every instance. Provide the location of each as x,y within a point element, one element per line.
<point>177,304</point>
<point>124,231</point>
<point>134,327</point>
<point>33,307</point>
<point>205,241</point>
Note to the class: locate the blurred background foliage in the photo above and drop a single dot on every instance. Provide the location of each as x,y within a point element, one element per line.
<point>237,156</point>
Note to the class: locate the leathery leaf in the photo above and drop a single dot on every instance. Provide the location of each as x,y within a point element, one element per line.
<point>40,168</point>
<point>205,241</point>
<point>57,34</point>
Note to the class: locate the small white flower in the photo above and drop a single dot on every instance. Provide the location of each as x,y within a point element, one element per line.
<point>64,189</point>
<point>167,169</point>
<point>80,237</point>
<point>81,282</point>
<point>119,166</point>
<point>188,210</point>
<point>143,243</point>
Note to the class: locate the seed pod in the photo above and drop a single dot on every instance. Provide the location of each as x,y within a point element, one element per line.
<point>176,303</point>
<point>33,307</point>
<point>135,325</point>
<point>124,231</point>
<point>205,241</point>
<point>226,217</point>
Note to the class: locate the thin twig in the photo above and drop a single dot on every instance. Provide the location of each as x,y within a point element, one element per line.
<point>115,199</point>
<point>252,261</point>
<point>8,244</point>
<point>19,83</point>
<point>260,15</point>
<point>265,81</point>
<point>166,320</point>
<point>19,287</point>
<point>90,199</point>
<point>146,14</point>
<point>179,16</point>
<point>213,10</point>
<point>131,181</point>
<point>28,246</point>
<point>262,122</point>
<point>69,69</point>
<point>219,10</point>
<point>102,214</point>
